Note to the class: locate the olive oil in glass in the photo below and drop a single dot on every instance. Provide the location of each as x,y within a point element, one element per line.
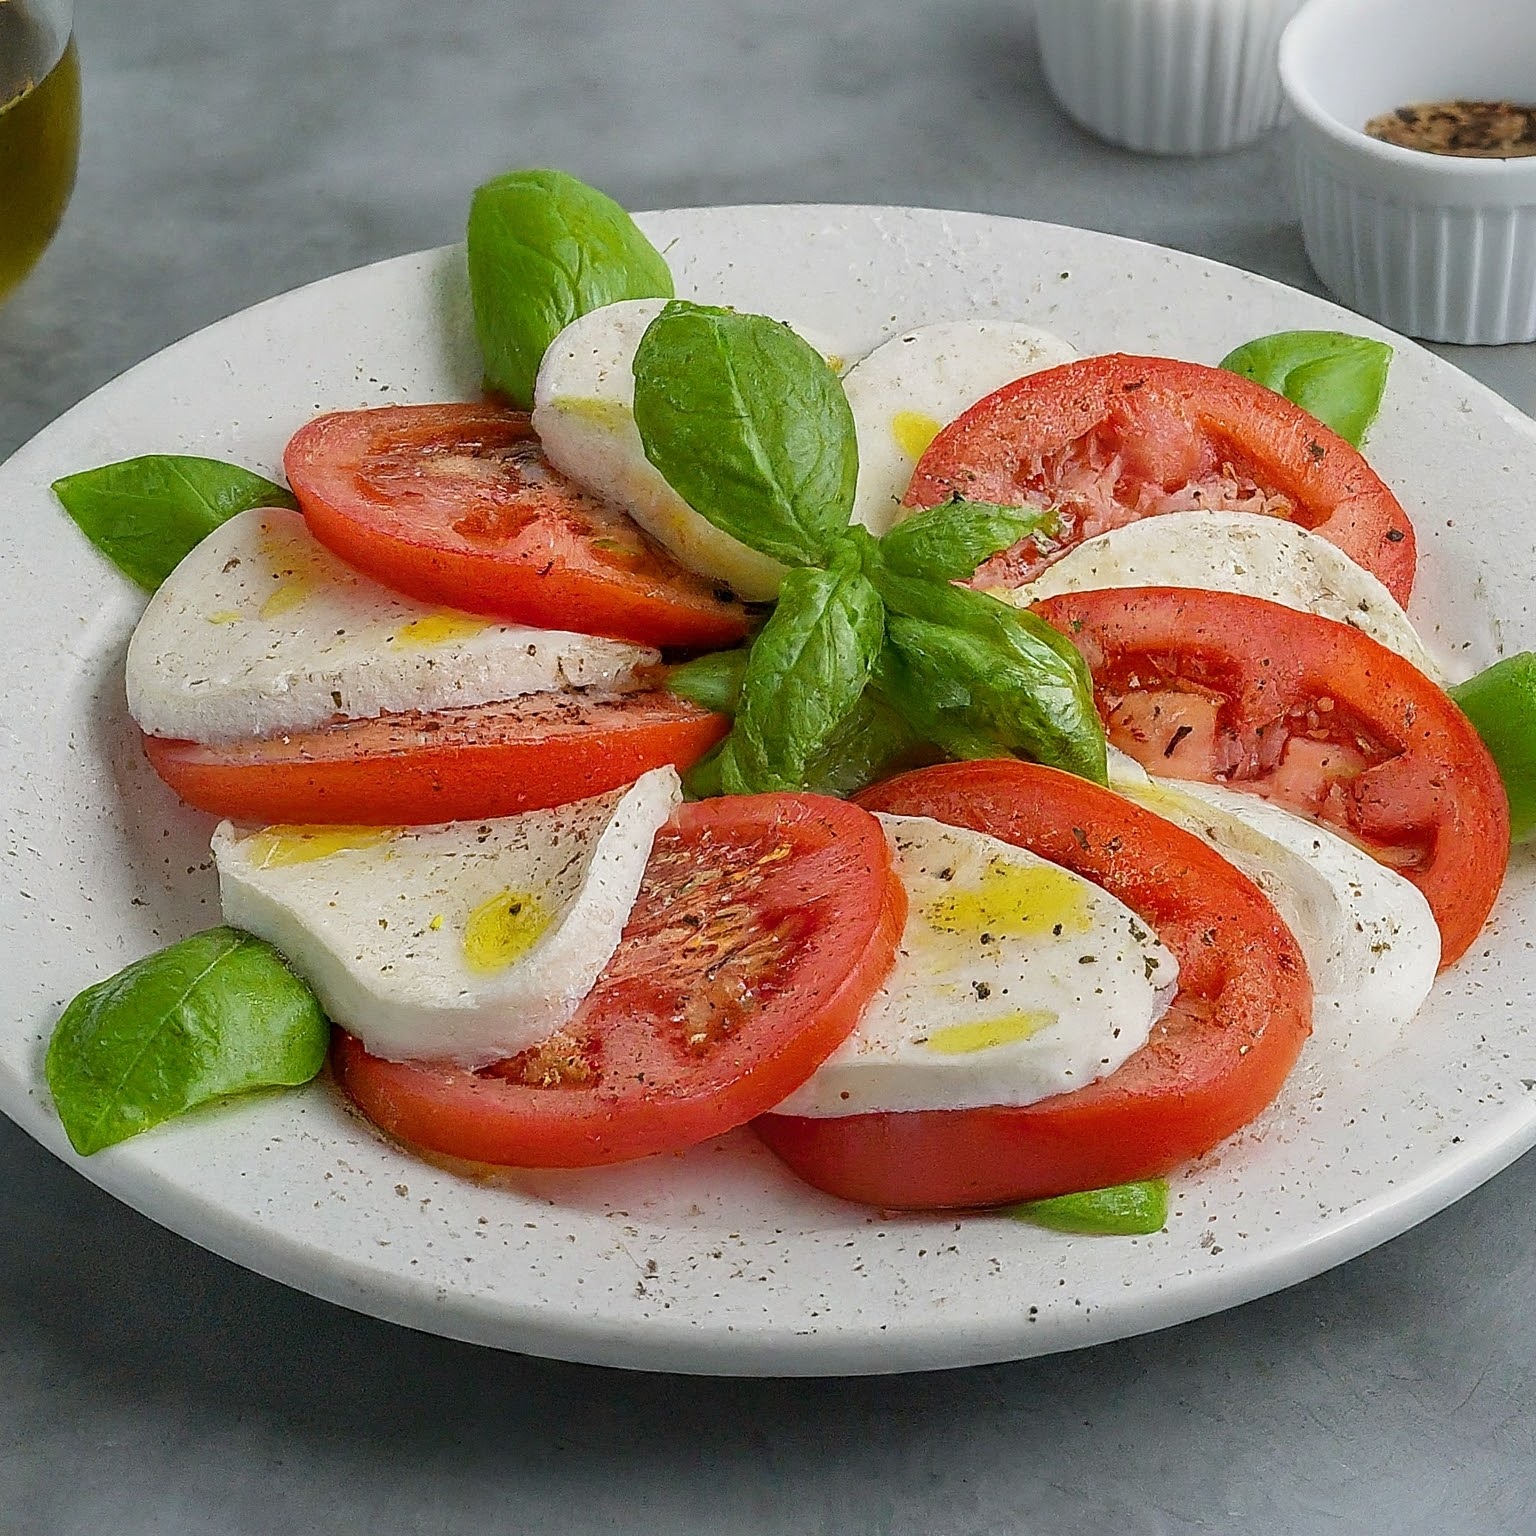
<point>39,130</point>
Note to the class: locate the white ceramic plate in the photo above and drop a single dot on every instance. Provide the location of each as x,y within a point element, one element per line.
<point>719,1261</point>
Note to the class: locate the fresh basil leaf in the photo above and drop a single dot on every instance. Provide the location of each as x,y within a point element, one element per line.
<point>928,715</point>
<point>986,672</point>
<point>872,742</point>
<point>1332,375</point>
<point>712,681</point>
<point>949,541</point>
<point>748,424</point>
<point>1119,1210</point>
<point>217,1014</point>
<point>145,515</point>
<point>706,779</point>
<point>544,249</point>
<point>1501,704</point>
<point>806,671</point>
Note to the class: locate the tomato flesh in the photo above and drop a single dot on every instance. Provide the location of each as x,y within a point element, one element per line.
<point>421,768</point>
<point>1309,713</point>
<point>763,926</point>
<point>457,504</point>
<point>1107,440</point>
<point>1213,1062</point>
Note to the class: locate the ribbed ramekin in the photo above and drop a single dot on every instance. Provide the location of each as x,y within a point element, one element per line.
<point>1431,245</point>
<point>1170,77</point>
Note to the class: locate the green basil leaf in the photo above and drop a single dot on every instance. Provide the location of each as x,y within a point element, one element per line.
<point>872,742</point>
<point>806,671</point>
<point>217,1014</point>
<point>145,515</point>
<point>985,673</point>
<point>1501,704</point>
<point>706,778</point>
<point>931,716</point>
<point>1332,375</point>
<point>1120,1210</point>
<point>949,541</point>
<point>712,681</point>
<point>748,424</point>
<point>544,249</point>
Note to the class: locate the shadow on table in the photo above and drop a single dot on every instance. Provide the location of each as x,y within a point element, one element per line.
<point>1396,1377</point>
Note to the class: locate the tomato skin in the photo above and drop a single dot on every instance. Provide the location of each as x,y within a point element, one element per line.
<point>1216,1059</point>
<point>764,925</point>
<point>1430,788</point>
<point>453,765</point>
<point>1144,429</point>
<point>456,504</point>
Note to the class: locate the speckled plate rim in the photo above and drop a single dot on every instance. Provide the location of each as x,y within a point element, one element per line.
<point>718,1262</point>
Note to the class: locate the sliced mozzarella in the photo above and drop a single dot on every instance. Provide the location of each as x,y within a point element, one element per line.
<point>584,414</point>
<point>916,383</point>
<point>261,630</point>
<point>1244,552</point>
<point>1371,943</point>
<point>1016,979</point>
<point>466,942</point>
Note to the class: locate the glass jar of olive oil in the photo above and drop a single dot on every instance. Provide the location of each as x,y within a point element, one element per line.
<point>39,129</point>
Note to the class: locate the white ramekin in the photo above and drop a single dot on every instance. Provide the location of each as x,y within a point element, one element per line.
<point>1431,245</point>
<point>1171,77</point>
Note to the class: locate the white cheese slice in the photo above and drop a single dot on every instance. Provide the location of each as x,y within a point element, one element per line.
<point>584,414</point>
<point>1370,940</point>
<point>1015,980</point>
<point>466,942</point>
<point>1243,552</point>
<point>261,630</point>
<point>916,383</point>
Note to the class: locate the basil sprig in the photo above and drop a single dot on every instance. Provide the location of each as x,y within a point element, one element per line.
<point>807,669</point>
<point>870,743</point>
<point>146,514</point>
<point>872,649</point>
<point>218,1014</point>
<point>933,719</point>
<point>984,671</point>
<point>1119,1210</point>
<point>949,541</point>
<point>712,681</point>
<point>544,249</point>
<point>750,426</point>
<point>1331,375</point>
<point>828,705</point>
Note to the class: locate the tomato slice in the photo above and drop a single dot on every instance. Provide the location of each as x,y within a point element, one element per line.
<point>1107,440</point>
<point>419,768</point>
<point>1215,1060</point>
<point>456,504</point>
<point>1312,714</point>
<point>763,926</point>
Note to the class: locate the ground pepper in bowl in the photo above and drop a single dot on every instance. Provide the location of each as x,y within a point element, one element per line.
<point>1482,130</point>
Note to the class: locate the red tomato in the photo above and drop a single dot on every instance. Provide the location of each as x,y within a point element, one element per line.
<point>1310,713</point>
<point>763,926</point>
<point>1107,440</point>
<point>454,765</point>
<point>457,504</point>
<point>1215,1060</point>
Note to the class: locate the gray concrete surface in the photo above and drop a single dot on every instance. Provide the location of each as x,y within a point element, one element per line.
<point>235,150</point>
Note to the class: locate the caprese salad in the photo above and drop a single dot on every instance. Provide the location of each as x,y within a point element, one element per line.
<point>978,767</point>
